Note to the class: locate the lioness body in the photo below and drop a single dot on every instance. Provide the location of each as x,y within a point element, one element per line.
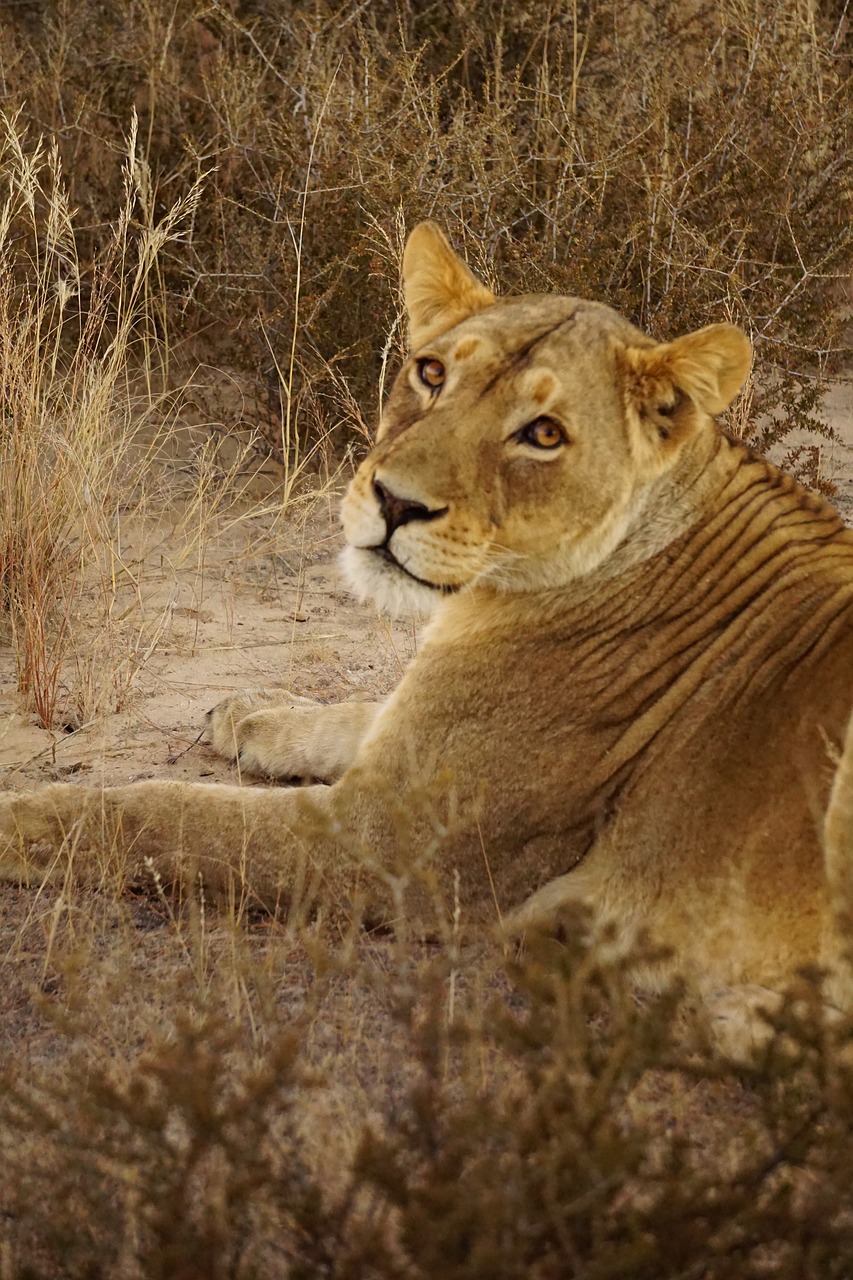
<point>640,657</point>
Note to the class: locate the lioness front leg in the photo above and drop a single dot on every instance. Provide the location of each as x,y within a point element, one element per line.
<point>275,848</point>
<point>279,735</point>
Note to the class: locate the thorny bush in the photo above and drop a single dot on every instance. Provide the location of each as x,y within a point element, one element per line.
<point>529,1135</point>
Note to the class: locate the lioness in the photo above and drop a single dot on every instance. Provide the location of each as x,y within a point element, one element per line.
<point>639,659</point>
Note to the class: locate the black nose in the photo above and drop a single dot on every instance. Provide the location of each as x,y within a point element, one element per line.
<point>399,511</point>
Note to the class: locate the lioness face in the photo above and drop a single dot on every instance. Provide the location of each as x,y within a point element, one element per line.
<point>521,440</point>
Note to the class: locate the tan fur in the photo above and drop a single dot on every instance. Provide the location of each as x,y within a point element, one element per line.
<point>640,648</point>
<point>439,289</point>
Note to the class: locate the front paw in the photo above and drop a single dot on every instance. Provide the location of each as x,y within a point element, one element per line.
<point>13,862</point>
<point>221,721</point>
<point>229,728</point>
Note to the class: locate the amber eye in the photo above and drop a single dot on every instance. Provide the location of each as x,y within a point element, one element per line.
<point>431,373</point>
<point>542,433</point>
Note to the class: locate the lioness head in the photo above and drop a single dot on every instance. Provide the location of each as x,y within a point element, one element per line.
<point>524,438</point>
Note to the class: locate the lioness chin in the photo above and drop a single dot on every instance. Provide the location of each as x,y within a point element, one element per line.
<point>641,649</point>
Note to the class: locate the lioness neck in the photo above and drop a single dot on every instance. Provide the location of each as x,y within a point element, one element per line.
<point>723,504</point>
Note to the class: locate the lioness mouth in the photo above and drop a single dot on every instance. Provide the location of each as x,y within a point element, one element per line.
<point>446,589</point>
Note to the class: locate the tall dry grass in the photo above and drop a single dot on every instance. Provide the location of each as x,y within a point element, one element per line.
<point>684,160</point>
<point>84,420</point>
<point>69,335</point>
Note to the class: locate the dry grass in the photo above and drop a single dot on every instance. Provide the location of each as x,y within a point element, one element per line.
<point>69,419</point>
<point>684,160</point>
<point>88,424</point>
<point>191,1092</point>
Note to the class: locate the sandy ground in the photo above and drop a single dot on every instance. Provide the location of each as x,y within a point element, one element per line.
<point>269,609</point>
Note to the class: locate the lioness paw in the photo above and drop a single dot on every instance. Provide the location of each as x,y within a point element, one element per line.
<point>221,723</point>
<point>35,826</point>
<point>275,734</point>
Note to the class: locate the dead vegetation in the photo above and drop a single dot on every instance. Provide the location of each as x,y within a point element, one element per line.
<point>684,160</point>
<point>548,1126</point>
<point>188,186</point>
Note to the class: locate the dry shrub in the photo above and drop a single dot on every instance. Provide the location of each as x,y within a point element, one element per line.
<point>685,161</point>
<point>562,1167</point>
<point>524,1144</point>
<point>189,1166</point>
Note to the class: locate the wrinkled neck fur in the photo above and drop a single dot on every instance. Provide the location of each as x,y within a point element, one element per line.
<point>666,508</point>
<point>712,482</point>
<point>670,518</point>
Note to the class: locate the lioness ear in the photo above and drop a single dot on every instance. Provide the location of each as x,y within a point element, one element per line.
<point>439,289</point>
<point>668,383</point>
<point>709,366</point>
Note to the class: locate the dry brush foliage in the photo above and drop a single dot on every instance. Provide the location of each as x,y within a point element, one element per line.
<point>684,160</point>
<point>528,1135</point>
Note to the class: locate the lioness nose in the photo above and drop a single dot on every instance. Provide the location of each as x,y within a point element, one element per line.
<point>399,511</point>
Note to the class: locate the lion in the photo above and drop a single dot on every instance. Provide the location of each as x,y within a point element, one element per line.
<point>631,693</point>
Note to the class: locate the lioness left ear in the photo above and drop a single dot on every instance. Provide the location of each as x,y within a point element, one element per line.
<point>709,366</point>
<point>439,289</point>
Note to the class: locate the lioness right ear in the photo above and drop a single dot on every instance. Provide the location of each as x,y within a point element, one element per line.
<point>439,289</point>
